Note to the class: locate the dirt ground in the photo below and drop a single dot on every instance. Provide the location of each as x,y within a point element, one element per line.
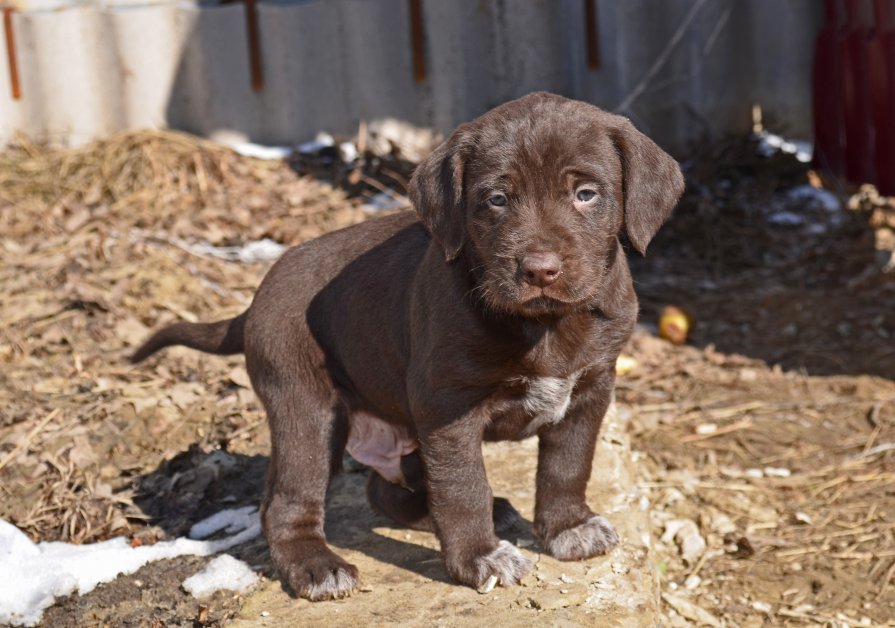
<point>770,435</point>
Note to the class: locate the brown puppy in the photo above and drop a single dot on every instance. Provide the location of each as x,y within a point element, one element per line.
<point>497,313</point>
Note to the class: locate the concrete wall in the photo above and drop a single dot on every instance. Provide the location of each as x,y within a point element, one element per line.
<point>681,69</point>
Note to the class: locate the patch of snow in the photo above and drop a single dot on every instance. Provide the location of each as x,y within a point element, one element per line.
<point>323,140</point>
<point>348,152</point>
<point>815,197</point>
<point>770,144</point>
<point>14,543</point>
<point>240,143</point>
<point>259,151</point>
<point>385,202</point>
<point>230,520</point>
<point>224,572</point>
<point>33,575</point>
<point>785,219</point>
<point>265,250</point>
<point>793,207</point>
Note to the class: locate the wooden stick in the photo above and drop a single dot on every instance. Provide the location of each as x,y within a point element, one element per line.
<point>27,440</point>
<point>733,427</point>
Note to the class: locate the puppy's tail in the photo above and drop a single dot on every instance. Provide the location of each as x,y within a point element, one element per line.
<point>222,337</point>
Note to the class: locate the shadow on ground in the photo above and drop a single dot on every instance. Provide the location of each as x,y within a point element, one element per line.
<point>194,485</point>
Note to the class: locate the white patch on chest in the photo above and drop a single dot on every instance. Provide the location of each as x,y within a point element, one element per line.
<point>547,400</point>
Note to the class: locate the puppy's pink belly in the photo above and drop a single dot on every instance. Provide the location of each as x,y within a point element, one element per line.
<point>379,445</point>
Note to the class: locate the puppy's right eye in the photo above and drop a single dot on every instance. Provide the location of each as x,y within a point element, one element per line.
<point>585,195</point>
<point>498,200</point>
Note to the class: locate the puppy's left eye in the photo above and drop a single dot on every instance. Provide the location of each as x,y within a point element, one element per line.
<point>585,195</point>
<point>498,200</point>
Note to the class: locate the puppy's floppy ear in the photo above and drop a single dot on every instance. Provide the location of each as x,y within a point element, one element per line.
<point>652,183</point>
<point>436,191</point>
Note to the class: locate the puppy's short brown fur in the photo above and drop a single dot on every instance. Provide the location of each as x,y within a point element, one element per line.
<point>497,312</point>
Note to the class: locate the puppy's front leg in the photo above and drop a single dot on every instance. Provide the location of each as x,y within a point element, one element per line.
<point>460,502</point>
<point>566,526</point>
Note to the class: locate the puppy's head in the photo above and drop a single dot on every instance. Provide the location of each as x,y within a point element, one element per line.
<point>534,195</point>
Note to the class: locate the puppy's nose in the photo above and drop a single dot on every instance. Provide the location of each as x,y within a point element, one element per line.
<point>541,269</point>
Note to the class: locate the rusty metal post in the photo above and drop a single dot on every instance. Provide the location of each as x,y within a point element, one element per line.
<point>417,41</point>
<point>254,39</point>
<point>592,40</point>
<point>11,53</point>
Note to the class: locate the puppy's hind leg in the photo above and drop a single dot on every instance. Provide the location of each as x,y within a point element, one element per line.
<point>405,504</point>
<point>307,437</point>
<point>408,504</point>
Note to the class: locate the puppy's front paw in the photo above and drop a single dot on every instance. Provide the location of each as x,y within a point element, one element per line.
<point>594,536</point>
<point>321,577</point>
<point>504,565</point>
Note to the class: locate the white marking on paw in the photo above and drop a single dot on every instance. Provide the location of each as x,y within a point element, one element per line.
<point>506,563</point>
<point>594,536</point>
<point>333,586</point>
